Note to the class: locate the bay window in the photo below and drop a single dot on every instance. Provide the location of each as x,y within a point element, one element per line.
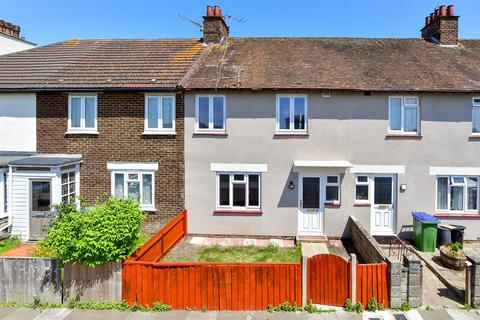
<point>457,193</point>
<point>82,114</point>
<point>210,113</point>
<point>292,114</point>
<point>238,191</point>
<point>159,114</point>
<point>403,115</point>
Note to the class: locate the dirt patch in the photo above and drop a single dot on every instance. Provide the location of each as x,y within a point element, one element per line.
<point>25,250</point>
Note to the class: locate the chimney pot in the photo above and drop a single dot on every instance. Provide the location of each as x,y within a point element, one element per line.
<point>210,11</point>
<point>432,17</point>
<point>437,13</point>
<point>427,20</point>
<point>451,10</point>
<point>443,11</point>
<point>217,11</point>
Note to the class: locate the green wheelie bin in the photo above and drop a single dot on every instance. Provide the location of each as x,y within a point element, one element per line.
<point>425,231</point>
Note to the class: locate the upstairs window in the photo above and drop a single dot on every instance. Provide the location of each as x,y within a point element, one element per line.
<point>159,114</point>
<point>210,113</point>
<point>82,114</point>
<point>238,190</point>
<point>476,116</point>
<point>457,193</point>
<point>404,115</point>
<point>291,114</point>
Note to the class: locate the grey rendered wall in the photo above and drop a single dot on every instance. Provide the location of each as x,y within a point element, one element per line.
<point>347,126</point>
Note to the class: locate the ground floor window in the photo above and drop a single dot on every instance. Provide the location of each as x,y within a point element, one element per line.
<point>238,190</point>
<point>457,193</point>
<point>332,189</point>
<point>68,186</point>
<point>362,188</point>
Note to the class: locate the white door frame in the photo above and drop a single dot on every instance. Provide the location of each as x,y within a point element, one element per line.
<point>321,210</point>
<point>393,223</point>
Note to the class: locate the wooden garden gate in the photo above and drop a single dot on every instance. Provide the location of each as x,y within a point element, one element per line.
<point>328,279</point>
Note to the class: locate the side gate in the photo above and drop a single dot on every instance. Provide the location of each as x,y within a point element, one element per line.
<point>328,279</point>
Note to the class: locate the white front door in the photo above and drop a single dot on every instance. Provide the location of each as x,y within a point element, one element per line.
<point>310,207</point>
<point>383,206</point>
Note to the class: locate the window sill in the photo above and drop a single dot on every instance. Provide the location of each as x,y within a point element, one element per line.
<point>475,137</point>
<point>159,133</point>
<point>234,211</point>
<point>403,136</point>
<point>290,135</point>
<point>361,204</point>
<point>95,132</point>
<point>210,134</point>
<point>460,214</point>
<point>332,205</point>
<point>148,209</point>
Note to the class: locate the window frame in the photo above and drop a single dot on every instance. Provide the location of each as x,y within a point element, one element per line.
<point>404,106</point>
<point>333,184</point>
<point>292,129</point>
<point>82,129</point>
<point>210,128</point>
<point>231,182</point>
<point>362,183</point>
<point>69,194</point>
<point>475,106</point>
<point>126,172</point>
<point>160,129</point>
<point>465,194</point>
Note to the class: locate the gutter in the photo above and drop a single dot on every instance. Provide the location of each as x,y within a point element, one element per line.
<point>140,89</point>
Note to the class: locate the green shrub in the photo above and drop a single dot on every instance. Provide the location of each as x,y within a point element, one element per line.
<point>9,243</point>
<point>310,307</point>
<point>373,305</point>
<point>348,306</point>
<point>406,306</point>
<point>107,232</point>
<point>161,307</point>
<point>284,307</point>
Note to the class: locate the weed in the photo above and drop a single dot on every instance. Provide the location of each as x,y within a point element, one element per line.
<point>406,306</point>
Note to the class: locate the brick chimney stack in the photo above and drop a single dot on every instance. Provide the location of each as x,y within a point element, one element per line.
<point>215,28</point>
<point>441,26</point>
<point>9,29</point>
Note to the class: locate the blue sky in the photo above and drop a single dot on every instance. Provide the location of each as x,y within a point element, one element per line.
<point>47,21</point>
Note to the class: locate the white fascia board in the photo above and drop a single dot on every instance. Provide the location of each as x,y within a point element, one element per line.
<point>455,171</point>
<point>129,166</point>
<point>238,167</point>
<point>378,169</point>
<point>322,164</point>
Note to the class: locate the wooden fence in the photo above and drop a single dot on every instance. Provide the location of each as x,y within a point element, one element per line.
<point>24,278</point>
<point>103,282</point>
<point>164,240</point>
<point>372,281</point>
<point>215,286</point>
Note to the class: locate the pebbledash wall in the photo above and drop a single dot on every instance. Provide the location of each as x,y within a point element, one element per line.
<point>347,126</point>
<point>120,127</point>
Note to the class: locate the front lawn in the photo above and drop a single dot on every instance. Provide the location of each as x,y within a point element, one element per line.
<point>270,253</point>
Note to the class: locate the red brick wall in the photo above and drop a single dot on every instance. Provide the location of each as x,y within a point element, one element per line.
<point>120,127</point>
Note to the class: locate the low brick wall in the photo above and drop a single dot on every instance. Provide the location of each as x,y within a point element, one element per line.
<point>365,244</point>
<point>475,280</point>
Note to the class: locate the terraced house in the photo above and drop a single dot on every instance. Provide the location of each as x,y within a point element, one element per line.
<point>259,137</point>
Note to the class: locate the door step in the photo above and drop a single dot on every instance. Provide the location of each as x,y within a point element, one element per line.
<point>312,238</point>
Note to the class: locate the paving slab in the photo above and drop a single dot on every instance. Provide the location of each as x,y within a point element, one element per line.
<point>462,314</point>
<point>57,314</point>
<point>434,314</point>
<point>21,314</point>
<point>98,315</point>
<point>309,249</point>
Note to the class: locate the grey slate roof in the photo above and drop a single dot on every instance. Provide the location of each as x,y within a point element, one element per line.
<point>45,161</point>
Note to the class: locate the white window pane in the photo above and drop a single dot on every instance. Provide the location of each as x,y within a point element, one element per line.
<point>239,194</point>
<point>472,192</point>
<point>476,102</point>
<point>410,121</point>
<point>332,179</point>
<point>147,194</point>
<point>253,190</point>
<point>284,113</point>
<point>442,193</point>
<point>76,111</point>
<point>361,192</point>
<point>299,108</point>
<point>411,101</point>
<point>90,114</point>
<point>331,193</point>
<point>133,190</point>
<point>119,186</point>
<point>362,178</point>
<point>203,112</point>
<point>224,190</point>
<point>167,112</point>
<point>395,113</point>
<point>456,198</point>
<point>218,113</point>
<point>476,119</point>
<point>152,113</point>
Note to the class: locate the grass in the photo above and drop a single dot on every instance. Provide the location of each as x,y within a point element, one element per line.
<point>270,253</point>
<point>9,243</point>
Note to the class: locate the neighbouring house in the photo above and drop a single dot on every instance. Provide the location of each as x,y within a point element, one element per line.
<point>102,117</point>
<point>288,137</point>
<point>10,40</point>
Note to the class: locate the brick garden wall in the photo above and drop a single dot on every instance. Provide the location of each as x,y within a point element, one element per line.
<point>120,127</point>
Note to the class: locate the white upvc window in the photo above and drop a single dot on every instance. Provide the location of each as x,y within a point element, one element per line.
<point>69,186</point>
<point>239,190</point>
<point>404,115</point>
<point>210,114</point>
<point>332,189</point>
<point>292,114</point>
<point>159,114</point>
<point>82,114</point>
<point>457,193</point>
<point>362,188</point>
<point>134,180</point>
<point>476,116</point>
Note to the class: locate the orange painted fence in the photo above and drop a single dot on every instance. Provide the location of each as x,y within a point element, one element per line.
<point>164,240</point>
<point>372,281</point>
<point>215,286</point>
